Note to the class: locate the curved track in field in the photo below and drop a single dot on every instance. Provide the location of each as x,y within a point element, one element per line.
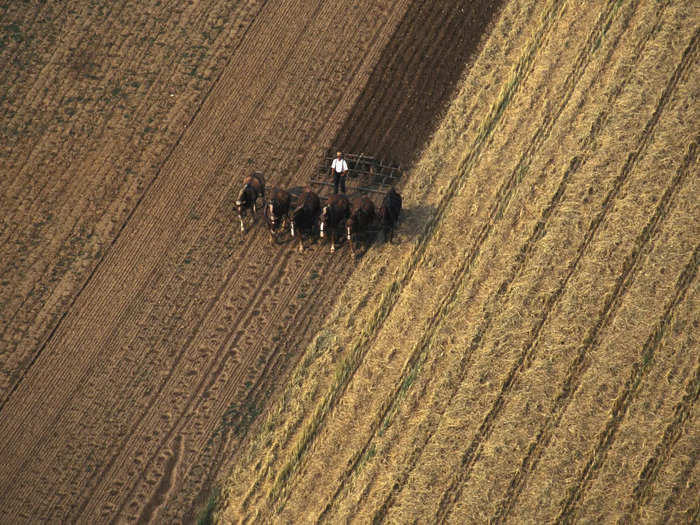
<point>141,333</point>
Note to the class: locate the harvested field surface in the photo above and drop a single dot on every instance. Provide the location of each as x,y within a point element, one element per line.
<point>140,333</point>
<point>528,351</point>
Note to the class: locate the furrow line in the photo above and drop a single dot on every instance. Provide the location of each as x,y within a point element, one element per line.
<point>76,119</point>
<point>135,393</point>
<point>444,31</point>
<point>256,395</point>
<point>245,367</point>
<point>105,158</point>
<point>569,509</point>
<point>121,229</point>
<point>579,365</point>
<point>60,91</point>
<point>683,482</point>
<point>144,101</point>
<point>662,451</point>
<point>451,495</point>
<point>242,318</point>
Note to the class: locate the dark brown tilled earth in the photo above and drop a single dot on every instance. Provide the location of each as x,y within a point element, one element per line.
<point>142,333</point>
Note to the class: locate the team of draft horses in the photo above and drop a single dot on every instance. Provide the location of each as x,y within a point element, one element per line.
<point>356,217</point>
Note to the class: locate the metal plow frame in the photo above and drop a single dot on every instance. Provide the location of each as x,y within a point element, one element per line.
<point>380,175</point>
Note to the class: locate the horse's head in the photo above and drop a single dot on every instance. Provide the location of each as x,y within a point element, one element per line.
<point>243,200</point>
<point>350,226</point>
<point>272,215</point>
<point>325,218</point>
<point>296,219</point>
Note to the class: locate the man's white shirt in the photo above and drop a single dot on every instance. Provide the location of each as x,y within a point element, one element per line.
<point>339,165</point>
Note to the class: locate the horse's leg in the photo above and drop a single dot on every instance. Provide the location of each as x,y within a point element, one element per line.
<point>240,217</point>
<point>332,240</point>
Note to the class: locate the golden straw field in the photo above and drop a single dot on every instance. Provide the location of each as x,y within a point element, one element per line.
<point>527,352</point>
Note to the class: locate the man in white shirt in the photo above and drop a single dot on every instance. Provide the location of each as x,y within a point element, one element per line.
<point>339,170</point>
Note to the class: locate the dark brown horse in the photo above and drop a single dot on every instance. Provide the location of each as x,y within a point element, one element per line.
<point>253,187</point>
<point>305,216</point>
<point>333,216</point>
<point>389,213</point>
<point>362,215</point>
<point>277,211</point>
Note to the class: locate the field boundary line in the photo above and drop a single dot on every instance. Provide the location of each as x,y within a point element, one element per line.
<point>136,206</point>
<point>388,298</point>
<point>686,278</point>
<point>488,423</point>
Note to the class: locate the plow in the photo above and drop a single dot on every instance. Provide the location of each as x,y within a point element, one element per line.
<point>366,175</point>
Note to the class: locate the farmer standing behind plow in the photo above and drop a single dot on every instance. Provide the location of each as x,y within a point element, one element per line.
<point>339,170</point>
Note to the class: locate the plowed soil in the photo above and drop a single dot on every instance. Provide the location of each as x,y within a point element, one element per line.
<point>141,333</point>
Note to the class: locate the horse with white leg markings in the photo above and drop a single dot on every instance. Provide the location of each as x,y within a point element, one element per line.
<point>333,216</point>
<point>362,215</point>
<point>277,211</point>
<point>305,216</point>
<point>253,187</point>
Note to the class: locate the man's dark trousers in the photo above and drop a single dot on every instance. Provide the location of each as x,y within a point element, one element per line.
<point>338,179</point>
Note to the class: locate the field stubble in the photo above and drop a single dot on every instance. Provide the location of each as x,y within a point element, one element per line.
<point>548,290</point>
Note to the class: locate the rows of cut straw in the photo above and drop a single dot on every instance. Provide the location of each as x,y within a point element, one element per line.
<point>449,346</point>
<point>674,496</point>
<point>516,336</point>
<point>507,329</point>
